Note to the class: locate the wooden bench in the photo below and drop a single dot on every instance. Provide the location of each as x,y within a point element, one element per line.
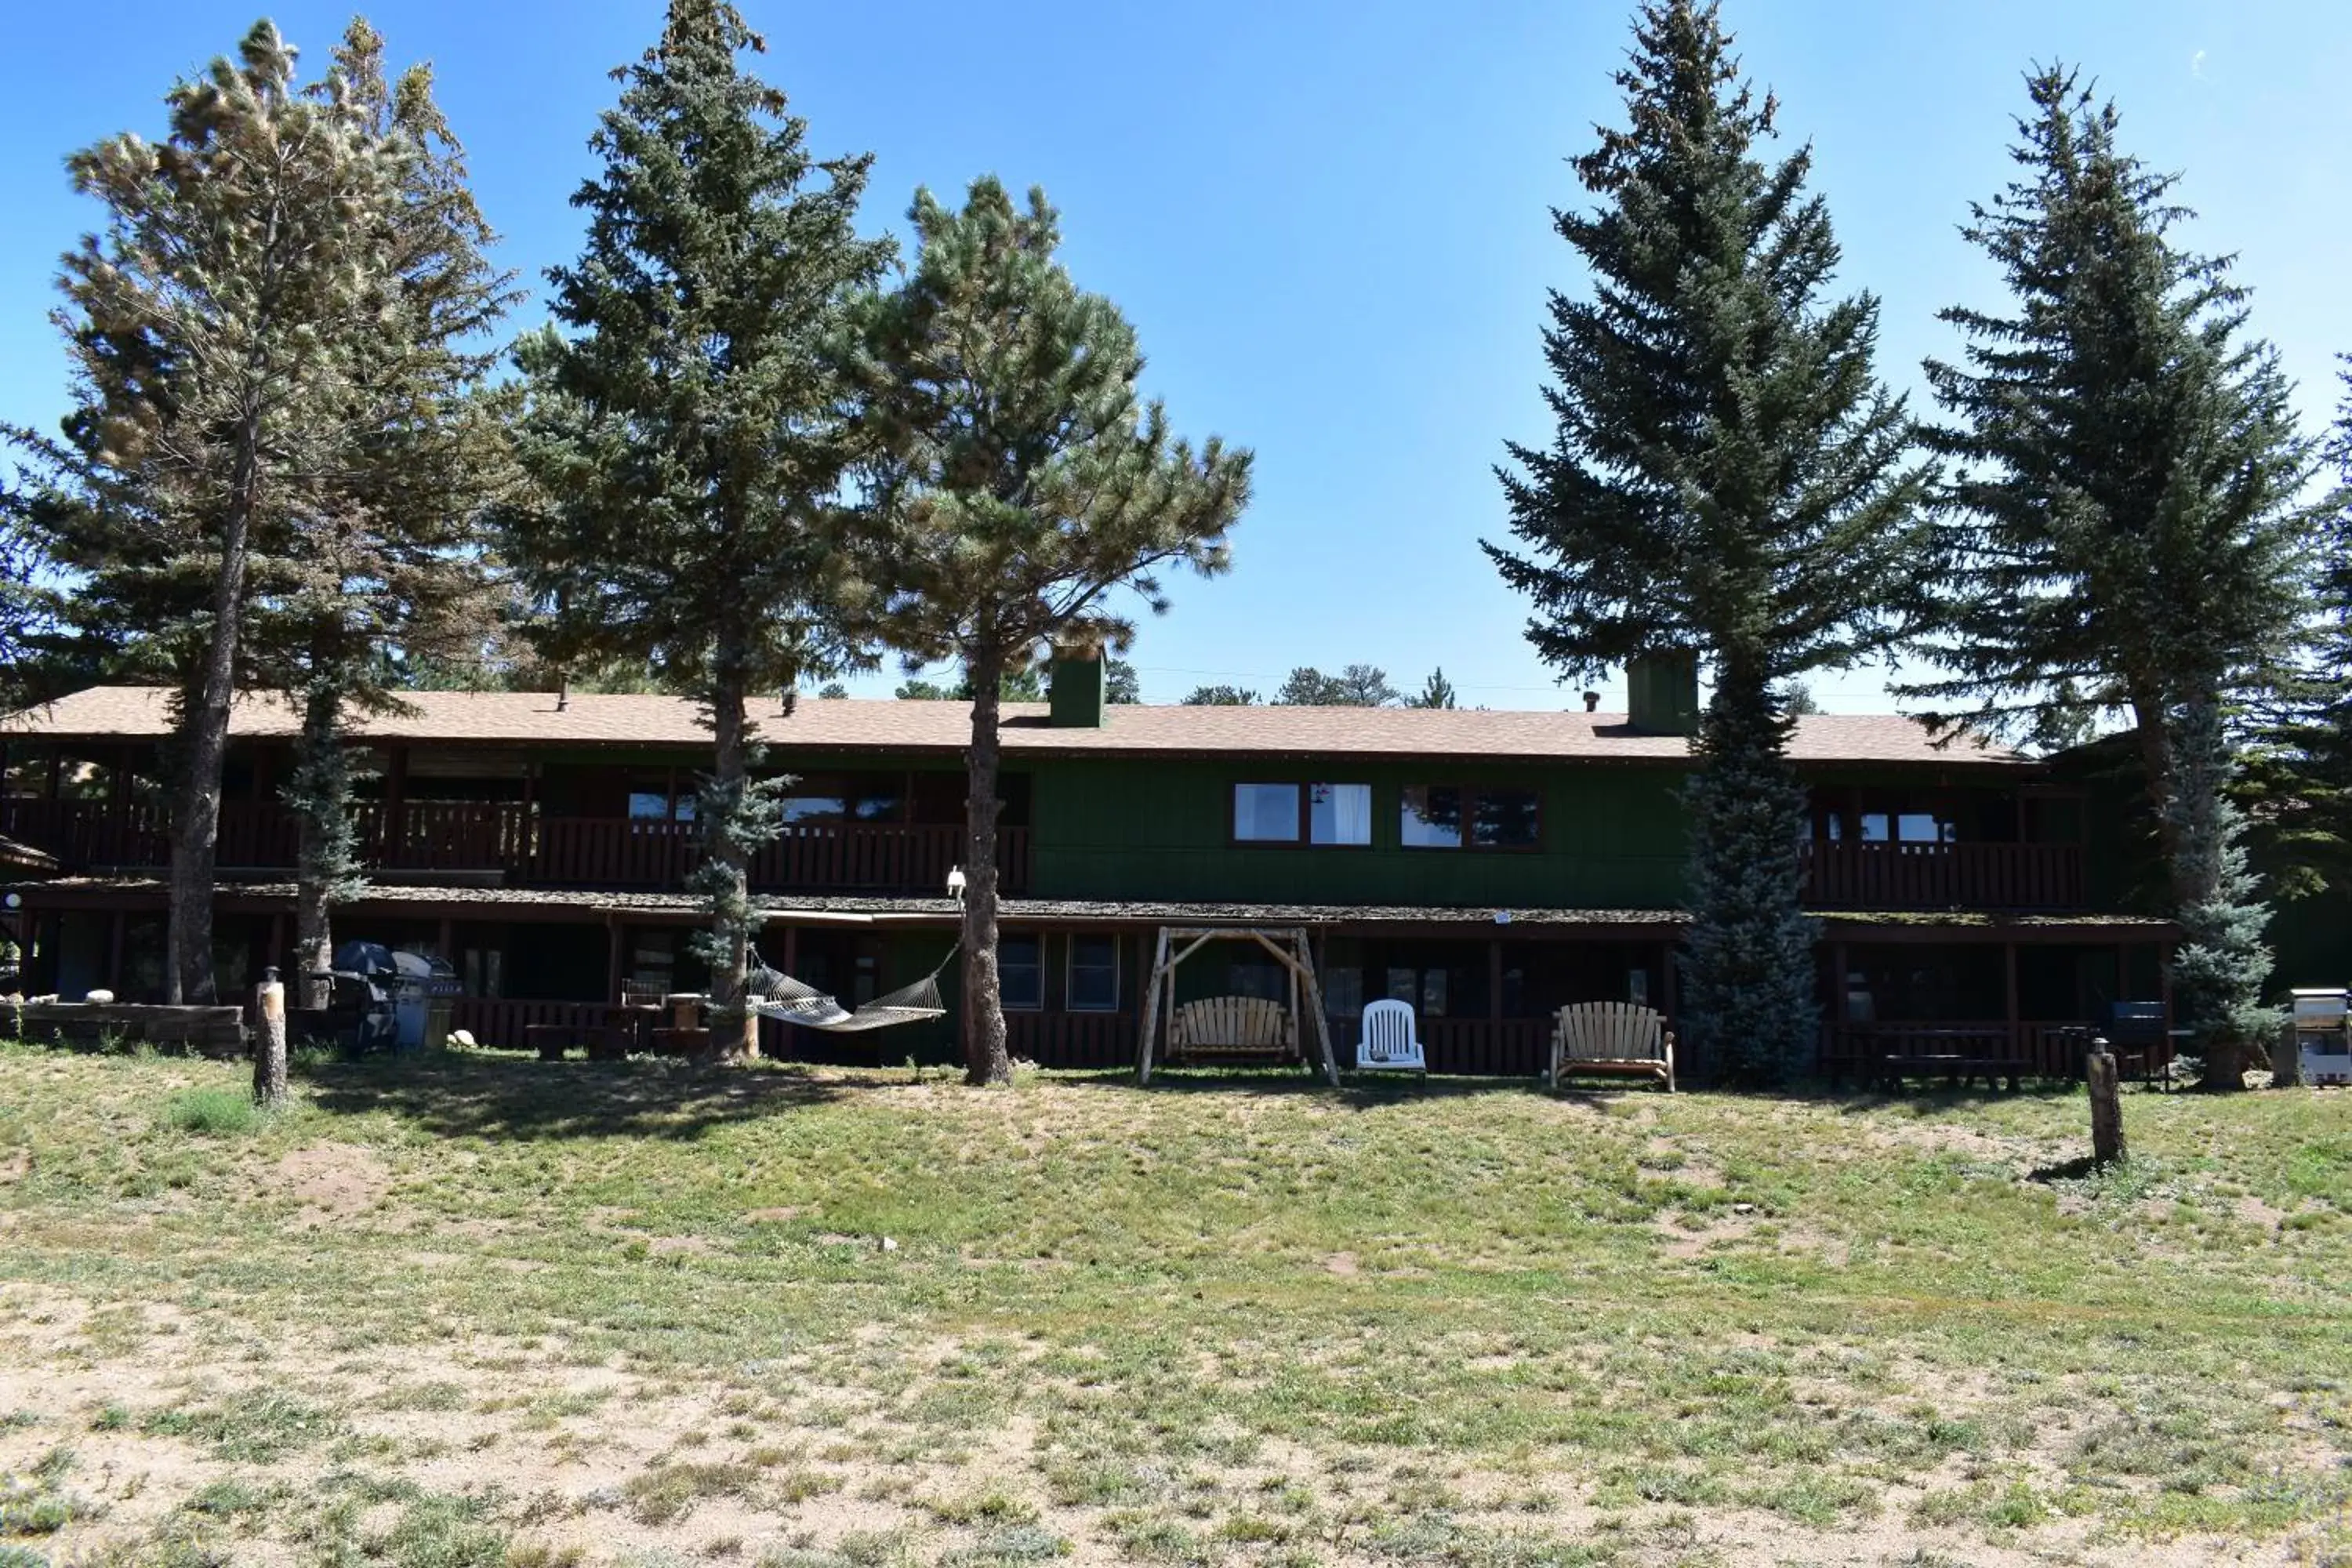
<point>212,1031</point>
<point>1614,1039</point>
<point>1232,1030</point>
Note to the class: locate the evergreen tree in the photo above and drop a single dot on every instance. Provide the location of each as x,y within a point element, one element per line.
<point>2126,529</point>
<point>1220,697</point>
<point>1025,483</point>
<point>2129,528</point>
<point>1121,685</point>
<point>213,389</point>
<point>1356,686</point>
<point>1435,692</point>
<point>2218,972</point>
<point>384,572</point>
<point>687,427</point>
<point>1728,477</point>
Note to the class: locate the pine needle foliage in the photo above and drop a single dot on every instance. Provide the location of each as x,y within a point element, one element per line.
<point>214,381</point>
<point>389,568</point>
<point>1027,484</point>
<point>2218,971</point>
<point>1726,476</point>
<point>687,431</point>
<point>2128,525</point>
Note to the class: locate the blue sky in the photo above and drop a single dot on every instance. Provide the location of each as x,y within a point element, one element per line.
<point>1327,220</point>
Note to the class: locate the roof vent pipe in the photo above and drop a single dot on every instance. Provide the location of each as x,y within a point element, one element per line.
<point>563,692</point>
<point>1592,702</point>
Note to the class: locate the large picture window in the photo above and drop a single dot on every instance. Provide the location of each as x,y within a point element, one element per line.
<point>1451,816</point>
<point>1020,971</point>
<point>1094,974</point>
<point>1327,814</point>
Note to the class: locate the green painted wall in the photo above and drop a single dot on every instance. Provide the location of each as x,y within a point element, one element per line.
<point>1122,828</point>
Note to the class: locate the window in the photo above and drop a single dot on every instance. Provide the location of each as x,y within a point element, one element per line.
<point>1094,974</point>
<point>1503,819</point>
<point>1432,818</point>
<point>1447,817</point>
<point>1266,814</point>
<point>1335,814</point>
<point>1338,814</point>
<point>1020,971</point>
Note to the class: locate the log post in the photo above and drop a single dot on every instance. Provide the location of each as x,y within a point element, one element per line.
<point>269,1042</point>
<point>2106,1106</point>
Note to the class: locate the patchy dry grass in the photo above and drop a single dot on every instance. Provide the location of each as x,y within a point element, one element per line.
<point>473,1312</point>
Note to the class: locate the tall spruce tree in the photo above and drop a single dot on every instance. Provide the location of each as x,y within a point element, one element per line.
<point>686,429</point>
<point>387,569</point>
<point>1726,477</point>
<point>1025,483</point>
<point>211,384</point>
<point>2129,524</point>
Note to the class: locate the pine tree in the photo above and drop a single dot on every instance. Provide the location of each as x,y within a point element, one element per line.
<point>2218,972</point>
<point>1025,484</point>
<point>212,383</point>
<point>2126,529</point>
<point>688,427</point>
<point>1121,685</point>
<point>1220,697</point>
<point>1726,477</point>
<point>384,571</point>
<point>1356,686</point>
<point>1435,692</point>
<point>2129,528</point>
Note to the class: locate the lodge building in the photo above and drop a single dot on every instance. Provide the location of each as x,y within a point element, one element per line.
<point>1488,867</point>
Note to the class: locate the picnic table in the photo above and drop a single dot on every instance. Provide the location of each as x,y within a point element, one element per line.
<point>1958,1054</point>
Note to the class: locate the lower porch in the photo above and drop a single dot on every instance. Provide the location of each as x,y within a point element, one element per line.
<point>1900,996</point>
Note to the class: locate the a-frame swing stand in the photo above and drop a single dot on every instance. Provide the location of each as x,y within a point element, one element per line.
<point>1289,946</point>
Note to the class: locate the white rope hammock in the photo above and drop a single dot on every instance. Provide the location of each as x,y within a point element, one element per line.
<point>772,994</point>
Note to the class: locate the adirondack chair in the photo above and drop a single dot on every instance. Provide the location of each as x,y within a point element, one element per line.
<point>1390,1043</point>
<point>1615,1037</point>
<point>1232,1030</point>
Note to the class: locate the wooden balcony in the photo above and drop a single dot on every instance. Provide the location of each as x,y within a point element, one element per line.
<point>1895,875</point>
<point>517,844</point>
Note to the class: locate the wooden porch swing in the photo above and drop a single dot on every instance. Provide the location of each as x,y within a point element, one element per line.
<point>1232,1030</point>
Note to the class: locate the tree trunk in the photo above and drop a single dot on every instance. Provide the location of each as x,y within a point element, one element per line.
<point>735,1029</point>
<point>2155,762</point>
<point>269,1043</point>
<point>986,1059</point>
<point>195,823</point>
<point>314,936</point>
<point>2106,1107</point>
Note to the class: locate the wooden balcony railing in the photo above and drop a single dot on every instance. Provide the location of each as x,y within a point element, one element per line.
<point>516,842</point>
<point>1850,876</point>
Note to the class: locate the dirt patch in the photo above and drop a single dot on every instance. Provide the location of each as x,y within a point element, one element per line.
<point>771,1217</point>
<point>16,1166</point>
<point>333,1181</point>
<point>1341,1263</point>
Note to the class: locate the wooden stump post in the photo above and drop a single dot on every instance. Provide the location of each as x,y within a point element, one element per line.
<point>2106,1106</point>
<point>269,1042</point>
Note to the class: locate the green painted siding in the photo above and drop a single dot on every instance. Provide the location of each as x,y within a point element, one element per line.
<point>1123,828</point>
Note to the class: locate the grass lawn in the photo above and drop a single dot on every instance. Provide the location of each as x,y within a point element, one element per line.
<point>471,1311</point>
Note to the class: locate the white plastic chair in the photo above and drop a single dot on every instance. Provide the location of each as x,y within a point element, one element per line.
<point>1389,1043</point>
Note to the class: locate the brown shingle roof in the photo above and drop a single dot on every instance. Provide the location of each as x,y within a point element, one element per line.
<point>587,719</point>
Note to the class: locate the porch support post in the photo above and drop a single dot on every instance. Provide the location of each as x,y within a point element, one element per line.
<point>114,954</point>
<point>446,941</point>
<point>395,807</point>
<point>1838,1020</point>
<point>1495,980</point>
<point>2008,979</point>
<point>277,938</point>
<point>613,956</point>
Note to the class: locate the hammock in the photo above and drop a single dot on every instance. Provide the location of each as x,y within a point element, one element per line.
<point>772,994</point>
